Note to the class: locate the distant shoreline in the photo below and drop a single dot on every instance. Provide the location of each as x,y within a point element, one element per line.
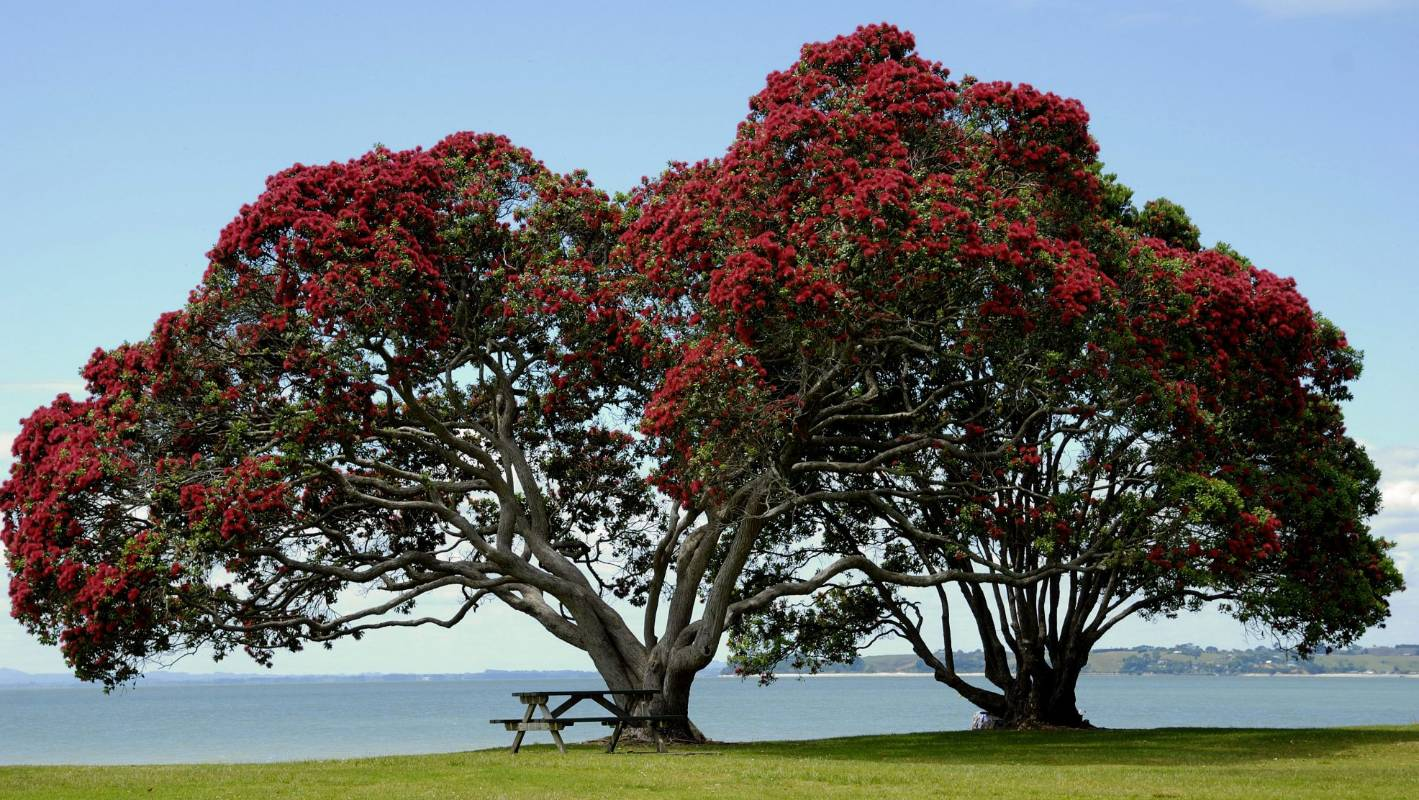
<point>15,679</point>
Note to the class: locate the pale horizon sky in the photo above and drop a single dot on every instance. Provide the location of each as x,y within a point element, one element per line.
<point>132,133</point>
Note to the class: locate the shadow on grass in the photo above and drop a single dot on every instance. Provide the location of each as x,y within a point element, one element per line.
<point>1158,746</point>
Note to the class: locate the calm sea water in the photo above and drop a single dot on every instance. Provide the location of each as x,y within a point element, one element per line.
<point>279,722</point>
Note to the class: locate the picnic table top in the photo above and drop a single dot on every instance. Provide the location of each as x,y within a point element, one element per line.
<point>590,693</point>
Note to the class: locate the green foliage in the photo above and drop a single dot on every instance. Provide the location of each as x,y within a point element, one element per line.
<point>1168,221</point>
<point>805,637</point>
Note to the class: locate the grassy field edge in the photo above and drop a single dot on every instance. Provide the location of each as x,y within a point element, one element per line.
<point>1370,762</point>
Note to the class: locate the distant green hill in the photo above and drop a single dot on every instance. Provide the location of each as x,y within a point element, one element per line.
<point>1182,659</point>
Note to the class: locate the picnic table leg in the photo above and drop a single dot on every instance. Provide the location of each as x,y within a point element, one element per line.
<point>517,740</point>
<point>659,740</point>
<point>557,737</point>
<point>615,737</point>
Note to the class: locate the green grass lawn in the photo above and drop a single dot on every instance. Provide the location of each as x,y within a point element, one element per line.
<point>1291,764</point>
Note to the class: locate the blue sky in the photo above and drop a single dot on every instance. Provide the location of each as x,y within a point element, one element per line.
<point>131,133</point>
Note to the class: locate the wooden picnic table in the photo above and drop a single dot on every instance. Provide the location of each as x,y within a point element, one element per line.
<point>619,717</point>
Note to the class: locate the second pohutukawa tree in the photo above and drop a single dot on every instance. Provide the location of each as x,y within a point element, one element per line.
<point>968,353</point>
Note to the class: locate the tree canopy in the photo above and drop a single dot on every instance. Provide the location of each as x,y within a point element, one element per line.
<point>905,334</point>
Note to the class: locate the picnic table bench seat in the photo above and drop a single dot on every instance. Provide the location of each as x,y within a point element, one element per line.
<point>567,722</point>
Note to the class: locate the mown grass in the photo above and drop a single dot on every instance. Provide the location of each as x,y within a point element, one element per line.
<point>1164,763</point>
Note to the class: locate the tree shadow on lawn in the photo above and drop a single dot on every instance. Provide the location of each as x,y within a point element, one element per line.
<point>1157,746</point>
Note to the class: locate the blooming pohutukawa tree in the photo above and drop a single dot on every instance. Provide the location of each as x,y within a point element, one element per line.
<point>413,377</point>
<point>403,378</point>
<point>363,392</point>
<point>942,344</point>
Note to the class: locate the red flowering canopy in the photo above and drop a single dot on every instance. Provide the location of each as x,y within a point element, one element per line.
<point>918,308</point>
<point>80,538</point>
<point>904,333</point>
<point>368,388</point>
